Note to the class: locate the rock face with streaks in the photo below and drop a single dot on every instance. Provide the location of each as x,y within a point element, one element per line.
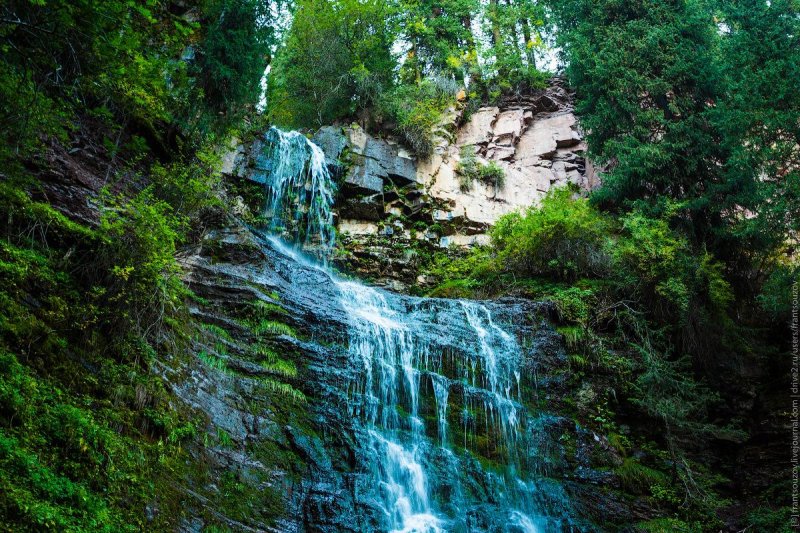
<point>418,413</point>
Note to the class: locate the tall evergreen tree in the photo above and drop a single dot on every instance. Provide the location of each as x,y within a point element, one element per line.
<point>693,106</point>
<point>646,79</point>
<point>759,120</point>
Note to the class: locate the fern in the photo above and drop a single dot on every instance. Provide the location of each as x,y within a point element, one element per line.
<point>264,353</point>
<point>213,361</point>
<point>579,361</point>
<point>271,327</point>
<point>281,368</point>
<point>638,478</point>
<point>264,309</point>
<point>573,335</point>
<point>217,331</point>
<point>224,438</point>
<point>283,389</point>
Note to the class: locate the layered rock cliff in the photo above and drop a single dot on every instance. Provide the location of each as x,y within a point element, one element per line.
<point>392,207</point>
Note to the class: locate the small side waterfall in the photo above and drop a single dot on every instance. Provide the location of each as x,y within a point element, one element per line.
<point>300,190</point>
<point>436,393</point>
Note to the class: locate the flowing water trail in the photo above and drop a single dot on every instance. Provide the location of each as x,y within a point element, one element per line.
<point>391,337</point>
<point>437,398</point>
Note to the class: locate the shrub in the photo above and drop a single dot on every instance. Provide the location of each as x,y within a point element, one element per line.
<point>659,267</point>
<point>416,110</point>
<point>467,168</point>
<point>138,277</point>
<point>765,518</point>
<point>493,174</point>
<point>563,238</point>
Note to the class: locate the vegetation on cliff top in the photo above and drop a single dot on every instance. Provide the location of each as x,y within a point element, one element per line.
<point>401,64</point>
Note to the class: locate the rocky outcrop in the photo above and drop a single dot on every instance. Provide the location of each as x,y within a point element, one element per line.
<point>386,192</point>
<point>312,454</point>
<point>392,206</point>
<point>535,140</point>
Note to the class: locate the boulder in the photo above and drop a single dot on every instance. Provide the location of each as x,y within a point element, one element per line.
<point>546,136</point>
<point>500,153</point>
<point>362,208</point>
<point>366,178</point>
<point>537,142</point>
<point>332,141</point>
<point>402,171</point>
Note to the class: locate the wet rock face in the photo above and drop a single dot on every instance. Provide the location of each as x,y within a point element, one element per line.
<point>314,456</point>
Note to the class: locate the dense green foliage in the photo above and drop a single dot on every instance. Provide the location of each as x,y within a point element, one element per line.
<point>401,63</point>
<point>80,449</point>
<point>123,59</point>
<point>693,106</point>
<point>336,61</point>
<point>415,111</point>
<point>136,96</point>
<point>645,312</point>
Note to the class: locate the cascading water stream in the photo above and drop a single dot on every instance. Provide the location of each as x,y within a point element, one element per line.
<point>437,386</point>
<point>300,190</point>
<point>401,360</point>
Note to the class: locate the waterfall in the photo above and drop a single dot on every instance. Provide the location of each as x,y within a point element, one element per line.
<point>392,339</point>
<point>434,388</point>
<point>300,190</point>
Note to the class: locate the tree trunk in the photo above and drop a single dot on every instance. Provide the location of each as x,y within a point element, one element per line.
<point>526,34</point>
<point>514,34</point>
<point>497,40</point>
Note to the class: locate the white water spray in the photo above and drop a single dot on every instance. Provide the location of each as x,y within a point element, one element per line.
<point>300,190</point>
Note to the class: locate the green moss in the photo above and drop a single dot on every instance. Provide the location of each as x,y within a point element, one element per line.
<point>244,501</point>
<point>638,478</point>
<point>263,309</point>
<point>573,335</point>
<point>63,467</point>
<point>214,361</point>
